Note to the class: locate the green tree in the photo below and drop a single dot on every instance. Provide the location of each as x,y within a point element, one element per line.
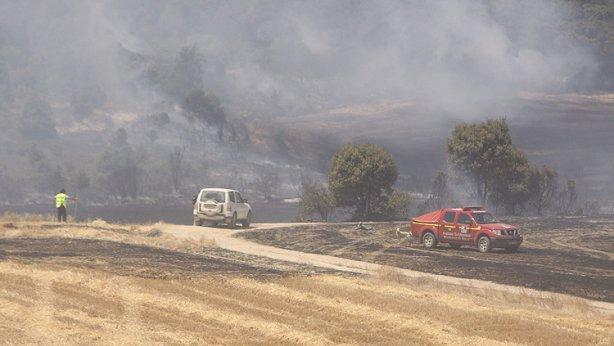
<point>510,182</point>
<point>543,186</point>
<point>396,207</point>
<point>316,199</point>
<point>479,150</point>
<point>362,176</point>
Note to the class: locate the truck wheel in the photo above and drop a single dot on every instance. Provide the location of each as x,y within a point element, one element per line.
<point>233,221</point>
<point>513,248</point>
<point>429,240</point>
<point>197,221</point>
<point>484,244</point>
<point>455,246</point>
<point>248,220</point>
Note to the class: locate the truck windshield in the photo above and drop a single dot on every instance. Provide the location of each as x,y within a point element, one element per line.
<point>484,218</point>
<point>217,196</point>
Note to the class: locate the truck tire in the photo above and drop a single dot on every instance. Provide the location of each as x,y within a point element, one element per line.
<point>429,240</point>
<point>484,244</point>
<point>248,220</point>
<point>233,221</point>
<point>197,221</point>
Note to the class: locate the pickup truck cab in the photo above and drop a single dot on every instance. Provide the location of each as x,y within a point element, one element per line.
<point>221,206</point>
<point>471,226</point>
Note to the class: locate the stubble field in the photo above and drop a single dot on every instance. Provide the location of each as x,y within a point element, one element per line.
<point>99,283</point>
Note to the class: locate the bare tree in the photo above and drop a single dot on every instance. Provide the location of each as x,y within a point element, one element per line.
<point>177,166</point>
<point>267,181</point>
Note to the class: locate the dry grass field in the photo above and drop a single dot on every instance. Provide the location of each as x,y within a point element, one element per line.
<point>107,284</point>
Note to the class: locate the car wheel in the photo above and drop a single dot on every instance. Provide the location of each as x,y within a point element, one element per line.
<point>484,244</point>
<point>429,240</point>
<point>455,246</point>
<point>233,221</point>
<point>248,220</point>
<point>513,248</point>
<point>197,221</point>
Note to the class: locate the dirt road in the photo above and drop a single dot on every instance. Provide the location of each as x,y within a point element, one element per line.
<point>227,239</point>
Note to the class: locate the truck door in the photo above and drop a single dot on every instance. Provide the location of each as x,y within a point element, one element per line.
<point>446,228</point>
<point>241,206</point>
<point>462,232</point>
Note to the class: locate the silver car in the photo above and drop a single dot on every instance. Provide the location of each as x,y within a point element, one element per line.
<point>222,206</point>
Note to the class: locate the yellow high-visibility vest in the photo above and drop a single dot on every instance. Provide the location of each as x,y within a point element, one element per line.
<point>60,200</point>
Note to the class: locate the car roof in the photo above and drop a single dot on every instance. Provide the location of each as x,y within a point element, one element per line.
<point>462,209</point>
<point>217,189</point>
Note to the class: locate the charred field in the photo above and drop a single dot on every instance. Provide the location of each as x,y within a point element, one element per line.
<point>572,255</point>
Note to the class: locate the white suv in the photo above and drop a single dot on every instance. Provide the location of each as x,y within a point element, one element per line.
<point>222,206</point>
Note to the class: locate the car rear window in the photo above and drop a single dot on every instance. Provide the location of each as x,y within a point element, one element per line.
<point>216,196</point>
<point>449,216</point>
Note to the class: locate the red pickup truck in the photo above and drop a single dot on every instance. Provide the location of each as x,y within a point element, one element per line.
<point>471,226</point>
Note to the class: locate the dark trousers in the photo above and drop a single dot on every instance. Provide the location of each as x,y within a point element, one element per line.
<point>62,214</point>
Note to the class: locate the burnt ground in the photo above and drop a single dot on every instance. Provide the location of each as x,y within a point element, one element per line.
<point>141,260</point>
<point>567,255</point>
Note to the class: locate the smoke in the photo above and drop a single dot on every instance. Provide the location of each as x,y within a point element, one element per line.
<point>264,59</point>
<point>456,55</point>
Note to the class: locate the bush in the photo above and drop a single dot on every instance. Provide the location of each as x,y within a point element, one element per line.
<point>316,199</point>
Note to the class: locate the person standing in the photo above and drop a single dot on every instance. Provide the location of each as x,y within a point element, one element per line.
<point>61,204</point>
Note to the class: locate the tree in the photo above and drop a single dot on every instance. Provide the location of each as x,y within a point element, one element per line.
<point>316,199</point>
<point>267,181</point>
<point>362,175</point>
<point>177,167</point>
<point>440,192</point>
<point>36,121</point>
<point>478,150</point>
<point>80,181</point>
<point>178,76</point>
<point>543,186</point>
<point>86,100</point>
<point>396,206</point>
<point>568,197</point>
<point>10,189</point>
<point>121,173</point>
<point>187,72</point>
<point>120,138</point>
<point>206,110</point>
<point>510,181</point>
